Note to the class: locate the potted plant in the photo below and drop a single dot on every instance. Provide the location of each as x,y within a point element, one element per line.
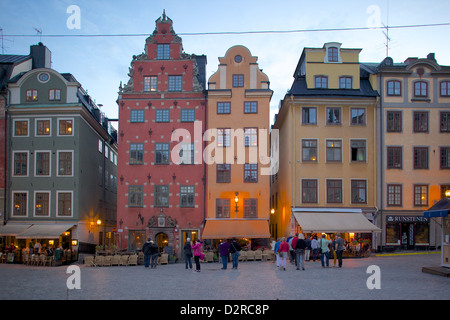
<point>172,259</point>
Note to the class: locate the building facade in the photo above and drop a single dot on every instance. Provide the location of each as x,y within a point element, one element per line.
<point>161,119</point>
<point>237,154</point>
<point>327,147</point>
<point>414,149</point>
<point>62,159</point>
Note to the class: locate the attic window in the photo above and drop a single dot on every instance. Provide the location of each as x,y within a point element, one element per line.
<point>333,54</point>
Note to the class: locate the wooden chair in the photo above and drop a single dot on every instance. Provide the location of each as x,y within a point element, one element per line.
<point>258,255</point>
<point>107,261</point>
<point>164,259</point>
<point>89,261</point>
<point>98,261</point>
<point>25,257</point>
<point>209,256</point>
<point>243,256</point>
<point>34,259</point>
<point>133,260</point>
<point>42,259</point>
<point>124,260</point>
<point>250,255</point>
<point>115,260</point>
<point>49,261</point>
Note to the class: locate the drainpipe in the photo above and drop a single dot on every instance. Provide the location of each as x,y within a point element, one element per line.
<point>381,157</point>
<point>6,154</point>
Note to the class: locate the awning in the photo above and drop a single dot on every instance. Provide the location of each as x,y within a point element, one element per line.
<point>236,228</point>
<point>13,229</point>
<point>44,231</point>
<point>440,209</point>
<point>333,220</point>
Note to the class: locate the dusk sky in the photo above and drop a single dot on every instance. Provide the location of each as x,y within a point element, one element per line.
<point>79,45</point>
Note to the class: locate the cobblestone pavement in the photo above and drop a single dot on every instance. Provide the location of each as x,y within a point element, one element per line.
<point>401,279</point>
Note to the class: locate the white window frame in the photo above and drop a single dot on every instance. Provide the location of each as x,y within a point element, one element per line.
<point>36,128</point>
<point>12,203</point>
<point>73,127</point>
<point>57,163</point>
<point>28,163</point>
<point>49,203</point>
<point>14,128</point>
<point>49,164</point>
<point>57,203</point>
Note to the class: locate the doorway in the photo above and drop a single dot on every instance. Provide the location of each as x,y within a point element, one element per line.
<point>162,240</point>
<point>407,239</point>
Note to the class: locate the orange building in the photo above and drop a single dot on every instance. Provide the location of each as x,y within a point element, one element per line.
<point>237,153</point>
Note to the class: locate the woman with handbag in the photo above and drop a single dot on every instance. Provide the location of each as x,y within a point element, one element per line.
<point>197,254</point>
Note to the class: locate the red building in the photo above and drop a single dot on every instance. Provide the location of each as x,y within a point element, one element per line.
<point>160,196</point>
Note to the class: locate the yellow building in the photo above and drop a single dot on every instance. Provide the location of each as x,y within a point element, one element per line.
<point>238,189</point>
<point>326,180</point>
<point>414,152</point>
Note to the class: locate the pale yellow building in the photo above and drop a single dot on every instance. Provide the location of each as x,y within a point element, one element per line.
<point>238,124</point>
<point>326,180</point>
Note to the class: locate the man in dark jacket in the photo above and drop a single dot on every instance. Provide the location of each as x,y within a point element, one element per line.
<point>154,251</point>
<point>146,249</point>
<point>234,250</point>
<point>300,251</point>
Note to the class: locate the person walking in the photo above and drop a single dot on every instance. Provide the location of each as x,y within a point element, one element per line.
<point>292,245</point>
<point>283,252</point>
<point>154,251</point>
<point>340,245</point>
<point>300,248</point>
<point>188,254</point>
<point>333,250</point>
<point>224,250</point>
<point>146,250</point>
<point>324,243</point>
<point>314,247</point>
<point>197,253</point>
<point>308,248</point>
<point>277,255</point>
<point>234,250</point>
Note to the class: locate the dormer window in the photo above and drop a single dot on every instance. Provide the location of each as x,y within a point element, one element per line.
<point>321,82</point>
<point>333,54</point>
<point>163,52</point>
<point>345,82</point>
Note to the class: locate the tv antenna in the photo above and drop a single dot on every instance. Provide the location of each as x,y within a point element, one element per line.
<point>386,33</point>
<point>39,32</point>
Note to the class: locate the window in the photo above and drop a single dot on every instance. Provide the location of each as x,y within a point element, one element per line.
<point>334,150</point>
<point>21,128</point>
<point>394,121</point>
<point>345,82</point>
<point>333,115</point>
<point>250,208</point>
<point>222,208</point>
<point>420,89</point>
<point>394,88</point>
<point>333,54</point>
<point>42,204</point>
<point>223,173</point>
<point>445,157</point>
<point>445,122</point>
<point>420,158</point>
<point>32,95</point>
<point>358,116</point>
<point>64,204</point>
<point>359,192</point>
<point>136,153</point>
<point>420,121</point>
<point>223,107</point>
<point>444,189</point>
<point>20,163</point>
<point>223,137</point>
<point>42,163</point>
<point>137,116</point>
<point>251,107</point>
<point>187,196</point>
<point>250,172</point>
<point>420,195</point>
<point>309,115</point>
<point>42,127</point>
<point>161,196</point>
<point>394,195</point>
<point>161,153</point>
<point>321,82</point>
<point>65,127</point>
<point>251,137</point>
<point>238,80</point>
<point>175,83</point>
<point>358,150</point>
<point>162,115</point>
<point>54,94</point>
<point>163,51</point>
<point>186,153</point>
<point>334,191</point>
<point>309,150</point>
<point>309,191</point>
<point>65,163</point>
<point>187,115</point>
<point>135,196</point>
<point>20,203</point>
<point>150,83</point>
<point>394,157</point>
<point>445,89</point>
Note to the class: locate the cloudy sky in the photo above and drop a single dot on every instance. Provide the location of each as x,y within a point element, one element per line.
<point>79,46</point>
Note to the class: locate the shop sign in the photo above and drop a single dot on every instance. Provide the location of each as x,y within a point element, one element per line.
<point>410,219</point>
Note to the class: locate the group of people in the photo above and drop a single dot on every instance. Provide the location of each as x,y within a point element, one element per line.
<point>298,249</point>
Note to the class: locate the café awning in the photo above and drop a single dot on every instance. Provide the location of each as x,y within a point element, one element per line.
<point>13,229</point>
<point>440,209</point>
<point>44,231</point>
<point>236,228</point>
<point>333,220</point>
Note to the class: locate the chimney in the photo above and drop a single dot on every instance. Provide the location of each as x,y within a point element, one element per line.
<point>430,56</point>
<point>410,59</point>
<point>41,55</point>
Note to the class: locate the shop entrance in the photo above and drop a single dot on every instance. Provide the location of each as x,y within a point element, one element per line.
<point>407,239</point>
<point>162,240</point>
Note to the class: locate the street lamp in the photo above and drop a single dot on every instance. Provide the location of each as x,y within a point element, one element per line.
<point>236,200</point>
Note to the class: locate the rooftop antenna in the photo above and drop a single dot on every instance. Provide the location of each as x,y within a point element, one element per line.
<point>39,32</point>
<point>387,30</point>
<point>1,36</point>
